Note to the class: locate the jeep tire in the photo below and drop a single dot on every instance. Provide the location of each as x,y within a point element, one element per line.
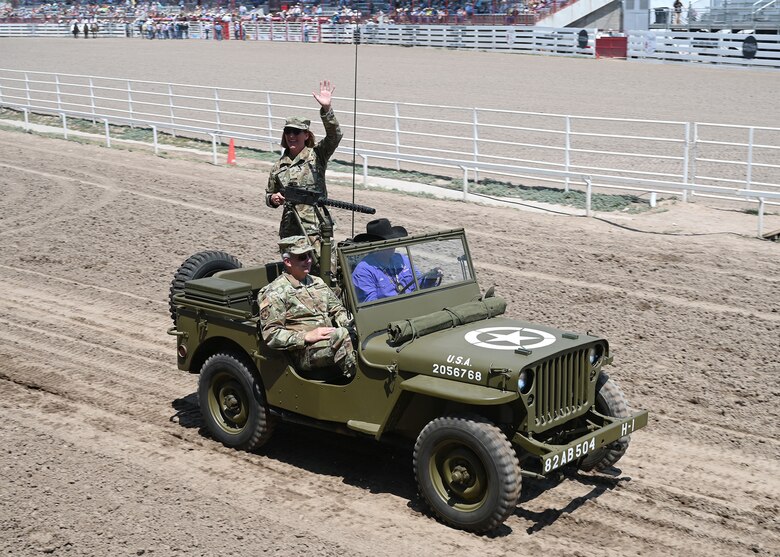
<point>610,401</point>
<point>467,471</point>
<point>201,265</point>
<point>232,403</point>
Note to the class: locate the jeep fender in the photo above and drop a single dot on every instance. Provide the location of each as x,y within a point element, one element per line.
<point>456,391</point>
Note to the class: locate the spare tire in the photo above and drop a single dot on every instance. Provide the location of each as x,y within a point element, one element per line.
<point>200,265</point>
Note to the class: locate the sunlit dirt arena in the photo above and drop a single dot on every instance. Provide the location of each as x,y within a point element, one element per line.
<point>103,451</point>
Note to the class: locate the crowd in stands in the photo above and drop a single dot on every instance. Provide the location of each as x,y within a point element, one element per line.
<point>160,20</point>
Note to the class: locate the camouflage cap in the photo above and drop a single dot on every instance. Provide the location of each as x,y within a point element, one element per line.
<point>295,245</point>
<point>297,123</point>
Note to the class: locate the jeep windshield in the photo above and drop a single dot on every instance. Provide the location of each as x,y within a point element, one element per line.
<point>407,267</point>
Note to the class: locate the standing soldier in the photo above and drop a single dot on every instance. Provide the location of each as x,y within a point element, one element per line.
<point>303,164</point>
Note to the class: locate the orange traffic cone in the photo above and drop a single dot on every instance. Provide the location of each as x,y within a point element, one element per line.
<point>231,152</point>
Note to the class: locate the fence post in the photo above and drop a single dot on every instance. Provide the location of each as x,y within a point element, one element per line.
<point>64,125</point>
<point>588,194</point>
<point>216,109</point>
<point>170,104</point>
<point>693,151</point>
<point>130,102</point>
<point>365,170</point>
<point>92,101</point>
<point>57,85</point>
<point>749,176</point>
<point>154,139</point>
<point>27,88</point>
<point>397,137</point>
<point>26,119</point>
<point>475,134</point>
<point>270,120</point>
<point>214,148</point>
<point>465,183</point>
<point>108,134</point>
<point>567,154</point>
<point>686,158</point>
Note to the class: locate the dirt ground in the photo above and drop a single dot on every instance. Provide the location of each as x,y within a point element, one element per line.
<point>103,451</point>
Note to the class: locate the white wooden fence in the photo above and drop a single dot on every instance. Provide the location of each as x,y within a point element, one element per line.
<point>732,49</point>
<point>511,38</point>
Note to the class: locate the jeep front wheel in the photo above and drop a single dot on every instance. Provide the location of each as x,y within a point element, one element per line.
<point>232,403</point>
<point>467,472</point>
<point>610,401</point>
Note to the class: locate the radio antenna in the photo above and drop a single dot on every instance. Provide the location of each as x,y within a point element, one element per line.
<point>356,40</point>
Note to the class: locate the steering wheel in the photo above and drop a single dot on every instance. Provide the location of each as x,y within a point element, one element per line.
<point>434,273</point>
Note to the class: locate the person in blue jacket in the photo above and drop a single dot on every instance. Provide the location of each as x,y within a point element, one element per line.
<point>385,272</point>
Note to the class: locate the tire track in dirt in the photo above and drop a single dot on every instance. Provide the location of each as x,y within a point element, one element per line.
<point>622,291</point>
<point>134,453</point>
<point>66,316</point>
<point>152,197</point>
<point>497,269</point>
<point>70,282</point>
<point>49,198</point>
<point>250,488</point>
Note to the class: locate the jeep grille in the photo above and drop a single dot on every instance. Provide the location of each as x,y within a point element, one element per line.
<point>561,388</point>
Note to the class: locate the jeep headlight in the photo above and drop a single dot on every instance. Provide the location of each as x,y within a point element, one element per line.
<point>595,354</point>
<point>524,381</point>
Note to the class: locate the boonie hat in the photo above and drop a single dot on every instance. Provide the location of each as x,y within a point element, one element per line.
<point>381,229</point>
<point>295,245</point>
<point>297,123</point>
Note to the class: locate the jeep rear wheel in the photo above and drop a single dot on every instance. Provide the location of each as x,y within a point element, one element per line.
<point>200,265</point>
<point>467,472</point>
<point>232,403</point>
<point>610,401</point>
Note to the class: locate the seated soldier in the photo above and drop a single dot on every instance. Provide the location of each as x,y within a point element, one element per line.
<point>301,314</point>
<point>385,273</point>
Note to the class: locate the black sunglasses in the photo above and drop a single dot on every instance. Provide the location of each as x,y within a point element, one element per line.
<point>301,256</point>
<point>293,131</point>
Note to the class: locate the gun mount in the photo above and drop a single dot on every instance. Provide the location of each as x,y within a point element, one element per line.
<point>296,195</point>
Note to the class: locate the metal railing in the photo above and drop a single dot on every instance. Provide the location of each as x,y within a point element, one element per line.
<point>650,156</point>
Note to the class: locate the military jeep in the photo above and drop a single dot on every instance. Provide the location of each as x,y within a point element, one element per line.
<point>484,399</point>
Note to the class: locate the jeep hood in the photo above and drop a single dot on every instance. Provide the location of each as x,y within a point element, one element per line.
<point>497,343</point>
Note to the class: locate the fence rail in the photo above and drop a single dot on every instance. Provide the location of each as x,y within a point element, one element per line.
<point>650,156</point>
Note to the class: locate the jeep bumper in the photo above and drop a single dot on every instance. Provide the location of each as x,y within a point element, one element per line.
<point>555,456</point>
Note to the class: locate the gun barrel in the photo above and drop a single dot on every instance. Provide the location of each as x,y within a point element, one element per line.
<point>297,194</point>
<point>349,206</point>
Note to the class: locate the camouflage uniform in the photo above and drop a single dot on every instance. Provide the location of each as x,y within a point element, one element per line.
<point>289,308</point>
<point>307,170</point>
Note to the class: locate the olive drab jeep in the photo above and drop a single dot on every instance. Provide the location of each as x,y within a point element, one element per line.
<point>484,399</point>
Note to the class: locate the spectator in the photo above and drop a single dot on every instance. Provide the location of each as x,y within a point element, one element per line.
<point>678,6</point>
